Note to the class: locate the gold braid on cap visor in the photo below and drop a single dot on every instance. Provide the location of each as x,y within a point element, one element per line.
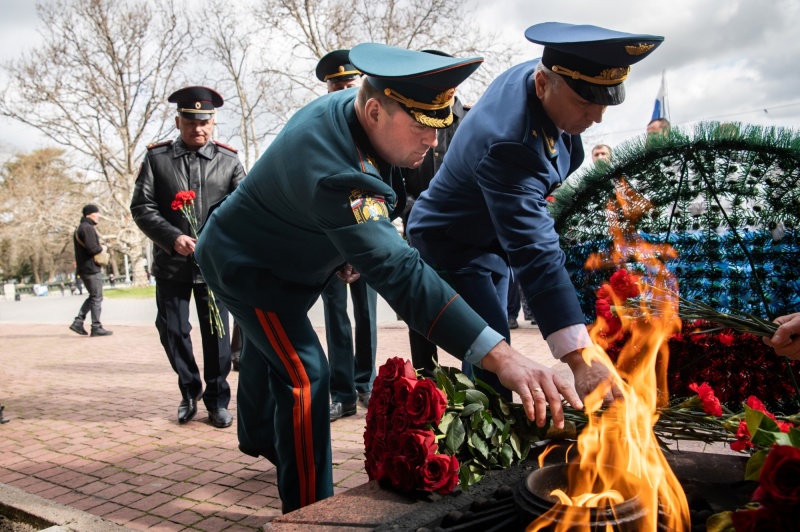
<point>342,73</point>
<point>609,76</point>
<point>198,111</point>
<point>442,101</point>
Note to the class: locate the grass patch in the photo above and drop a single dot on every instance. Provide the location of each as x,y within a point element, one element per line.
<point>136,292</point>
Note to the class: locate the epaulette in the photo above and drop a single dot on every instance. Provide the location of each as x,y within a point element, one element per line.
<point>159,144</point>
<point>221,145</point>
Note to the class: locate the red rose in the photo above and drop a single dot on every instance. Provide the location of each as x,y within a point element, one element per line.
<point>711,404</point>
<point>402,388</point>
<point>394,368</point>
<point>779,482</point>
<point>399,420</point>
<point>401,473</point>
<point>426,403</point>
<point>416,445</point>
<point>439,473</point>
<point>757,520</point>
<point>379,403</point>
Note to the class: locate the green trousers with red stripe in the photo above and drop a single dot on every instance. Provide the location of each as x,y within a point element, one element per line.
<point>283,402</point>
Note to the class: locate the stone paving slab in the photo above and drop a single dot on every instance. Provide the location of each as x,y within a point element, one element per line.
<point>93,427</point>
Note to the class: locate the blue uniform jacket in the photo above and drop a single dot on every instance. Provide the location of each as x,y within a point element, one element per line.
<point>316,199</point>
<point>486,206</point>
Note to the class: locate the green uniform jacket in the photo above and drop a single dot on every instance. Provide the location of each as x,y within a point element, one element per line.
<point>316,199</point>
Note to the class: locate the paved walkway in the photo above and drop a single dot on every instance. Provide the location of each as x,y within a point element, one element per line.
<point>93,422</point>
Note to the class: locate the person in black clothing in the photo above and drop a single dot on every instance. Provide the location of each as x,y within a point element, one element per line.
<point>212,170</point>
<point>87,245</point>
<point>424,355</point>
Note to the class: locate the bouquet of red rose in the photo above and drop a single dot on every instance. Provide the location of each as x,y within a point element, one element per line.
<point>184,202</point>
<point>430,436</point>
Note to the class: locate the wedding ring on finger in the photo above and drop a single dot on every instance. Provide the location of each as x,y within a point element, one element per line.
<point>536,390</point>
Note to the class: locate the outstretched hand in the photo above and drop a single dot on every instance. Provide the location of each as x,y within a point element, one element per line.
<point>786,340</point>
<point>537,386</point>
<point>588,378</point>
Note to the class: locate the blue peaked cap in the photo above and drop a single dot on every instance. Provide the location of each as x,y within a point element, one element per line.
<point>196,103</point>
<point>422,83</point>
<point>594,61</point>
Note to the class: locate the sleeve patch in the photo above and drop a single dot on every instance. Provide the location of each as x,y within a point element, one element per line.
<point>368,207</point>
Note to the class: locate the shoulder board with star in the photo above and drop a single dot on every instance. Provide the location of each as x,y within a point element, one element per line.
<point>156,145</point>
<point>226,147</point>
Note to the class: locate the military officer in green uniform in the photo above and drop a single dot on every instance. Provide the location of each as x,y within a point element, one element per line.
<point>349,376</point>
<point>318,203</point>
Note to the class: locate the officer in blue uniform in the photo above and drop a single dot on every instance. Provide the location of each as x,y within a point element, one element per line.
<point>348,376</point>
<point>485,212</point>
<point>318,203</point>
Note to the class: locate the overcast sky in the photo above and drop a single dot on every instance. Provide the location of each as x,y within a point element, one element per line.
<point>728,60</point>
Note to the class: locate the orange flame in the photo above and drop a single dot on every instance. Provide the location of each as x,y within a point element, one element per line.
<point>619,455</point>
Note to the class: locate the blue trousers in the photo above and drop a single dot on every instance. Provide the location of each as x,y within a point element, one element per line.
<point>352,371</point>
<point>487,293</point>
<point>283,401</point>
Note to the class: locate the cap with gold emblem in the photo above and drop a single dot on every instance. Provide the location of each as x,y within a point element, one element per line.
<point>423,83</point>
<point>594,61</point>
<point>196,103</point>
<point>336,66</point>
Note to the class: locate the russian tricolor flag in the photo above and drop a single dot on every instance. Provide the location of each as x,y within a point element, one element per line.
<point>660,107</point>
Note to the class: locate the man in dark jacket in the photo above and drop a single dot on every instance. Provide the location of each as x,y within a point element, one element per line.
<point>87,245</point>
<point>211,170</point>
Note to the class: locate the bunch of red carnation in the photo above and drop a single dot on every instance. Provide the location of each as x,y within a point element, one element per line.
<point>621,286</point>
<point>400,437</point>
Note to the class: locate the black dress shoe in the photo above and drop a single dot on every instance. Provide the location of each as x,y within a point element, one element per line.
<point>77,326</point>
<point>512,323</point>
<point>339,410</point>
<point>220,417</point>
<point>266,452</point>
<point>99,331</point>
<point>188,409</point>
<point>364,397</point>
<point>235,360</point>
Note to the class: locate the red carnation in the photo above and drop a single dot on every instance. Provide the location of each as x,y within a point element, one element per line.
<point>624,284</point>
<point>742,442</point>
<point>726,339</point>
<point>711,404</point>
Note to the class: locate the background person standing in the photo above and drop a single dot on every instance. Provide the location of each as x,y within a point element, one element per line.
<point>87,245</point>
<point>212,170</point>
<point>352,370</point>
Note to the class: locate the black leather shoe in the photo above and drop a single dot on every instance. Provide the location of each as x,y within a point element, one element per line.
<point>267,452</point>
<point>188,409</point>
<point>101,332</point>
<point>235,360</point>
<point>77,326</point>
<point>220,417</point>
<point>512,323</point>
<point>364,397</point>
<point>339,410</point>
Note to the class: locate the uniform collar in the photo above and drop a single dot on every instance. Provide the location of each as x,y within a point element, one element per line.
<point>180,149</point>
<point>545,129</point>
<point>365,149</point>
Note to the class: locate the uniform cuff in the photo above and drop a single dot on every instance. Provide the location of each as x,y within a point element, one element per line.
<point>568,339</point>
<point>485,342</point>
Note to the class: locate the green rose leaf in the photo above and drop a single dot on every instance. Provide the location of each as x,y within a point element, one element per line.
<point>471,409</point>
<point>474,396</point>
<point>754,465</point>
<point>455,437</point>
